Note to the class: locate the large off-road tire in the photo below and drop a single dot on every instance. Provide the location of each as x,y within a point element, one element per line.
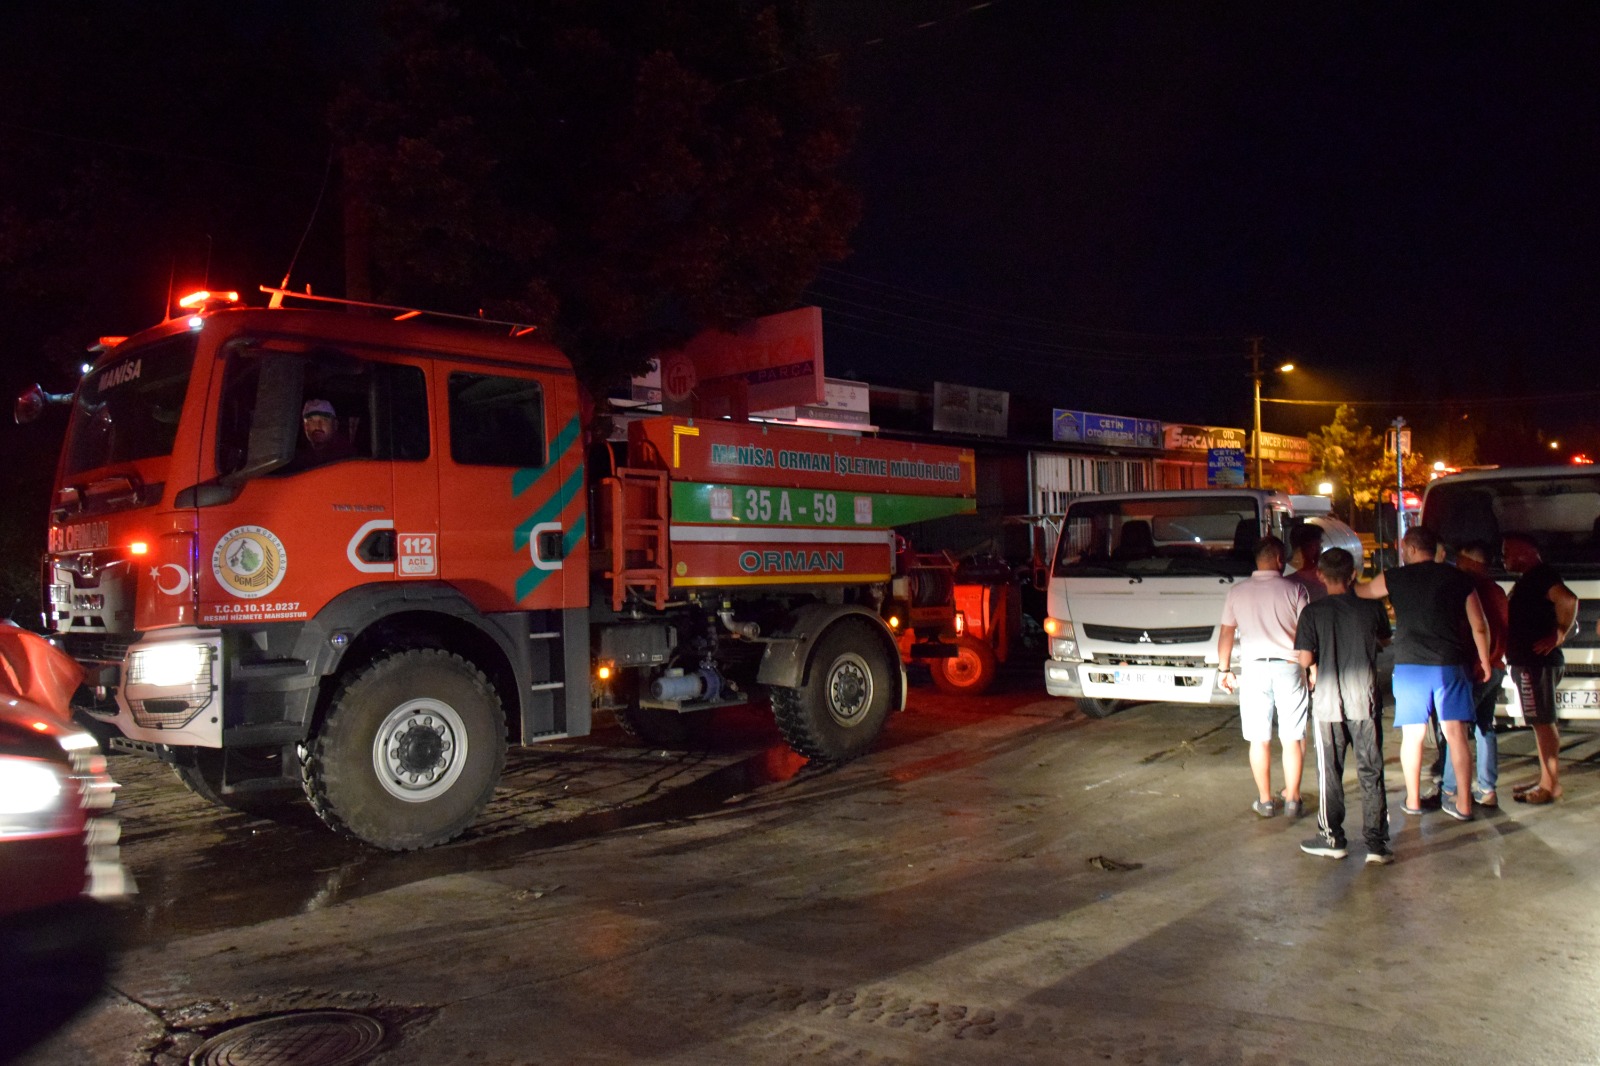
<point>1099,708</point>
<point>410,750</point>
<point>969,672</point>
<point>201,773</point>
<point>842,706</point>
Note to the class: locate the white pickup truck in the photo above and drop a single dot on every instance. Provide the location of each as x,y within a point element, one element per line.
<point>1559,507</point>
<point>1137,584</point>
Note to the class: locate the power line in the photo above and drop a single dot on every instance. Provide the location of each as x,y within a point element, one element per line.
<point>160,153</point>
<point>925,328</point>
<point>1102,367</point>
<point>906,30</point>
<point>1497,401</point>
<point>848,279</point>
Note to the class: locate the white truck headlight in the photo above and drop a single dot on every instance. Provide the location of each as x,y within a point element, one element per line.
<point>1063,640</point>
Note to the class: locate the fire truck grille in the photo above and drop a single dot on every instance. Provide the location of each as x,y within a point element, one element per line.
<point>88,648</point>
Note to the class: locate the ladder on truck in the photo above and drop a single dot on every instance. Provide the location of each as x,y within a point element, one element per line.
<point>637,502</point>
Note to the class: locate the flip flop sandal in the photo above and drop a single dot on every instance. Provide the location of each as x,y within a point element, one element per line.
<point>1457,815</point>
<point>1536,795</point>
<point>1517,790</point>
<point>1410,810</point>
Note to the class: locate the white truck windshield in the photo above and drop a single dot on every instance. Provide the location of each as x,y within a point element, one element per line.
<point>1155,536</point>
<point>1559,509</point>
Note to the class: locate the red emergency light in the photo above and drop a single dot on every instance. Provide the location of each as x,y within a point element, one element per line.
<point>206,298</point>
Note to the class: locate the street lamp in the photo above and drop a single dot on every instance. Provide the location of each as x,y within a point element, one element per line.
<point>1256,374</point>
<point>1324,488</point>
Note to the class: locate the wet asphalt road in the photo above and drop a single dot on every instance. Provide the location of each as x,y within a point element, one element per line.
<point>1001,881</point>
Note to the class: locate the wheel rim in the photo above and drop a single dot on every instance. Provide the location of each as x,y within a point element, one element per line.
<point>964,669</point>
<point>849,689</point>
<point>420,750</point>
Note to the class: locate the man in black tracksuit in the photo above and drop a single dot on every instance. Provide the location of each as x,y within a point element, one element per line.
<point>1337,640</point>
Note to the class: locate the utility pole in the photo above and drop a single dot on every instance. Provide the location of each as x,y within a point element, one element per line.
<point>1400,449</point>
<point>1255,438</point>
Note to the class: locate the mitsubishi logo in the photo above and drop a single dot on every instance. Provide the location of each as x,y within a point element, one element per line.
<point>1144,638</point>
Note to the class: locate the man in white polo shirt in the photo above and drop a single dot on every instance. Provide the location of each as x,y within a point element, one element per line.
<point>1262,613</point>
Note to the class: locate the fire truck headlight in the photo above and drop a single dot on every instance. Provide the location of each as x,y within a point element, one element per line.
<point>170,665</point>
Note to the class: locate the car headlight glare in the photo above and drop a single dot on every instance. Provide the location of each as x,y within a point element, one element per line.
<point>33,798</point>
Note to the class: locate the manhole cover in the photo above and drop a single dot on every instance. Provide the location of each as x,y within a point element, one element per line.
<point>310,1038</point>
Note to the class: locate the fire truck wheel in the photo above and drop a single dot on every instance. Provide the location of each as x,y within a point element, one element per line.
<point>202,775</point>
<point>1098,708</point>
<point>846,698</point>
<point>409,752</point>
<point>970,672</point>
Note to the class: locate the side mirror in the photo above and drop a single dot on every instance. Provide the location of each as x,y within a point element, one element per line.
<point>32,401</point>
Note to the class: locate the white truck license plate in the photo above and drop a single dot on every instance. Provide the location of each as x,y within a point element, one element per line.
<point>1141,677</point>
<point>1583,697</point>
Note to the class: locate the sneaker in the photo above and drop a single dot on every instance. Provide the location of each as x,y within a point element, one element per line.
<point>1265,810</point>
<point>1380,857</point>
<point>1320,846</point>
<point>1293,808</point>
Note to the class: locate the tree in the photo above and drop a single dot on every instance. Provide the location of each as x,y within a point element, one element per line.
<point>1350,454</point>
<point>620,173</point>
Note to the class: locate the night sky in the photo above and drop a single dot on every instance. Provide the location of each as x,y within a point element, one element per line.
<point>1090,205</point>
<point>1400,198</point>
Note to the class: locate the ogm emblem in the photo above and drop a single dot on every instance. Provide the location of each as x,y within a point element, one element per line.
<point>249,561</point>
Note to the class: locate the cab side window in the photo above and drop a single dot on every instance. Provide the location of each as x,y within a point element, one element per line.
<point>355,407</point>
<point>496,421</point>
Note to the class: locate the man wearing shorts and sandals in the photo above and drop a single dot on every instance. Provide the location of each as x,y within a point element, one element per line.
<point>1263,612</point>
<point>1439,625</point>
<point>1542,610</point>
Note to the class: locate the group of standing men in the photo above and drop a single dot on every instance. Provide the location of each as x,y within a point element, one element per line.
<point>1309,644</point>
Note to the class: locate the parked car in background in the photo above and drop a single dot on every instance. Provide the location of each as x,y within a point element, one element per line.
<point>59,859</point>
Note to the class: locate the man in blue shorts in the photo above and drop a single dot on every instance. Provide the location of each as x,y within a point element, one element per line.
<point>1441,646</point>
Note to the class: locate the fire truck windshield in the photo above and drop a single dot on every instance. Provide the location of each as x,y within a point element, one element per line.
<point>128,408</point>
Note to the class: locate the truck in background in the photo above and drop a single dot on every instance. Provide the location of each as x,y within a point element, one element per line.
<point>469,571</point>
<point>1559,507</point>
<point>1137,585</point>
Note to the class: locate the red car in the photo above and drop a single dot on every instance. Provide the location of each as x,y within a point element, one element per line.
<point>59,860</point>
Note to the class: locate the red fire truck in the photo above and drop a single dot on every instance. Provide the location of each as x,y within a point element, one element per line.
<point>454,567</point>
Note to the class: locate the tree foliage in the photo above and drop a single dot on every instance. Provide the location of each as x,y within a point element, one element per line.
<point>1350,454</point>
<point>621,173</point>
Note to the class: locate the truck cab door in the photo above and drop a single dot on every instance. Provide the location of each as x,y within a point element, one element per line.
<point>286,541</point>
<point>512,504</point>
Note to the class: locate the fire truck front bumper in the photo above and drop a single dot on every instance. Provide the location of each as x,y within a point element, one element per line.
<point>170,690</point>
